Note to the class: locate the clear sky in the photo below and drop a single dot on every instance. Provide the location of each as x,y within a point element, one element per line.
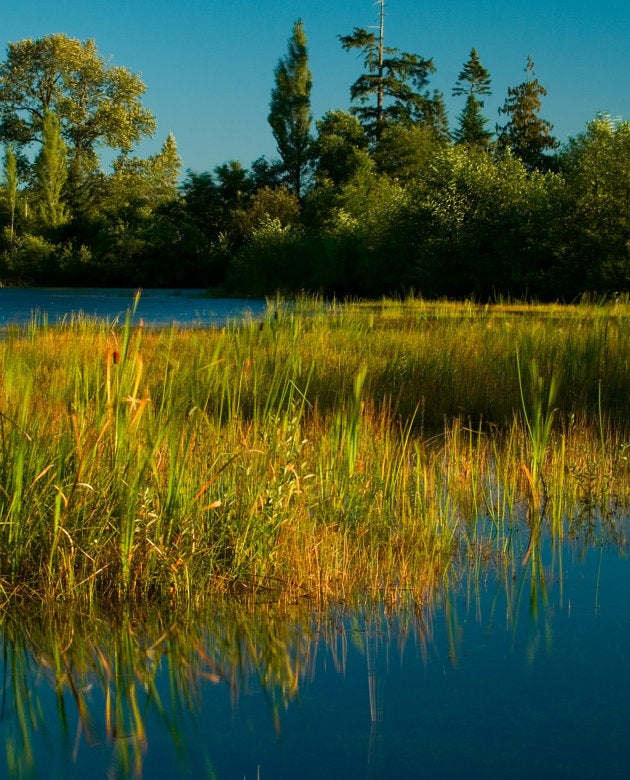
<point>208,64</point>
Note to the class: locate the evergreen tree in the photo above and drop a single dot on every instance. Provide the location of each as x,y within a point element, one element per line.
<point>396,79</point>
<point>165,169</point>
<point>290,109</point>
<point>528,136</point>
<point>474,80</point>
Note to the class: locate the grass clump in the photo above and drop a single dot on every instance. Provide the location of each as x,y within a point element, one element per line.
<point>325,450</point>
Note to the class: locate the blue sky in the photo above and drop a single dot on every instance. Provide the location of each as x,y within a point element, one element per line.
<point>208,65</point>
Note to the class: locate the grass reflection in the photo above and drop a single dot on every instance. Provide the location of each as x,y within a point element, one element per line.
<point>219,507</point>
<point>108,683</point>
<point>92,683</point>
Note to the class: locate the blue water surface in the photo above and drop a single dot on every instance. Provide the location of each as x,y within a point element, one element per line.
<point>156,307</point>
<point>491,680</point>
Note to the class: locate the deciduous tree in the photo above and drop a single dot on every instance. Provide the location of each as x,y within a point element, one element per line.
<point>340,147</point>
<point>596,165</point>
<point>96,103</point>
<point>290,109</point>
<point>405,151</point>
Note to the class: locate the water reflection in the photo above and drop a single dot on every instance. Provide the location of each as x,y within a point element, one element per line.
<point>500,656</point>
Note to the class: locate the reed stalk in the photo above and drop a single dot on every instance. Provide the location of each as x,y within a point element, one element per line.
<point>326,450</point>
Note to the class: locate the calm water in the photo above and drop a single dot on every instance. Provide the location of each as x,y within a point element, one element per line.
<point>517,673</point>
<point>518,677</point>
<point>159,308</point>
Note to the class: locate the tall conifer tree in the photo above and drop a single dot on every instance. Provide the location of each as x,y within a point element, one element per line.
<point>473,81</point>
<point>528,136</point>
<point>11,190</point>
<point>395,80</point>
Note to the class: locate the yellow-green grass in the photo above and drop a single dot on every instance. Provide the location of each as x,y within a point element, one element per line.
<point>324,451</point>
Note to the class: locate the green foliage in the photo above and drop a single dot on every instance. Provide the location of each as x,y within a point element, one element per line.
<point>473,81</point>
<point>396,80</point>
<point>10,192</point>
<point>51,172</point>
<point>478,226</point>
<point>263,205</point>
<point>340,149</point>
<point>266,262</point>
<point>210,199</point>
<point>96,103</point>
<point>392,204</point>
<point>143,185</point>
<point>447,221</point>
<point>406,151</point>
<point>528,136</point>
<point>596,165</point>
<point>33,259</point>
<point>126,232</point>
<point>472,125</point>
<point>372,207</point>
<point>205,222</point>
<point>290,109</point>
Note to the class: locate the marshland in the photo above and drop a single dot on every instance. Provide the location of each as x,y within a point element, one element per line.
<point>329,537</point>
<point>321,451</point>
<point>223,502</point>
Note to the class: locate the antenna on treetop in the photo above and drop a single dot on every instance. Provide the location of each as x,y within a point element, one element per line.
<point>380,27</point>
<point>381,30</point>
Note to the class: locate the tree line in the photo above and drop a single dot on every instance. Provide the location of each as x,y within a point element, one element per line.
<point>383,198</point>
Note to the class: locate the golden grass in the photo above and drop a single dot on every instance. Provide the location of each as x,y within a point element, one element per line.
<point>327,450</point>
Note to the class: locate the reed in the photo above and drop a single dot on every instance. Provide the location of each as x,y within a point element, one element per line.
<point>324,450</point>
<point>539,412</point>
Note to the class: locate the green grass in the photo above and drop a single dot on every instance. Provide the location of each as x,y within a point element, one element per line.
<point>325,451</point>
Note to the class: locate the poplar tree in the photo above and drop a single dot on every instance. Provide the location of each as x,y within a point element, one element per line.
<point>51,172</point>
<point>290,109</point>
<point>473,81</point>
<point>525,133</point>
<point>11,190</point>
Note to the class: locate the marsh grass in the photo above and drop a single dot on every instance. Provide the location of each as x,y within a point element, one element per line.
<point>324,450</point>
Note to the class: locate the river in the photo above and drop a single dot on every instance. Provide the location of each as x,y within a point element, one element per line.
<point>156,308</point>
